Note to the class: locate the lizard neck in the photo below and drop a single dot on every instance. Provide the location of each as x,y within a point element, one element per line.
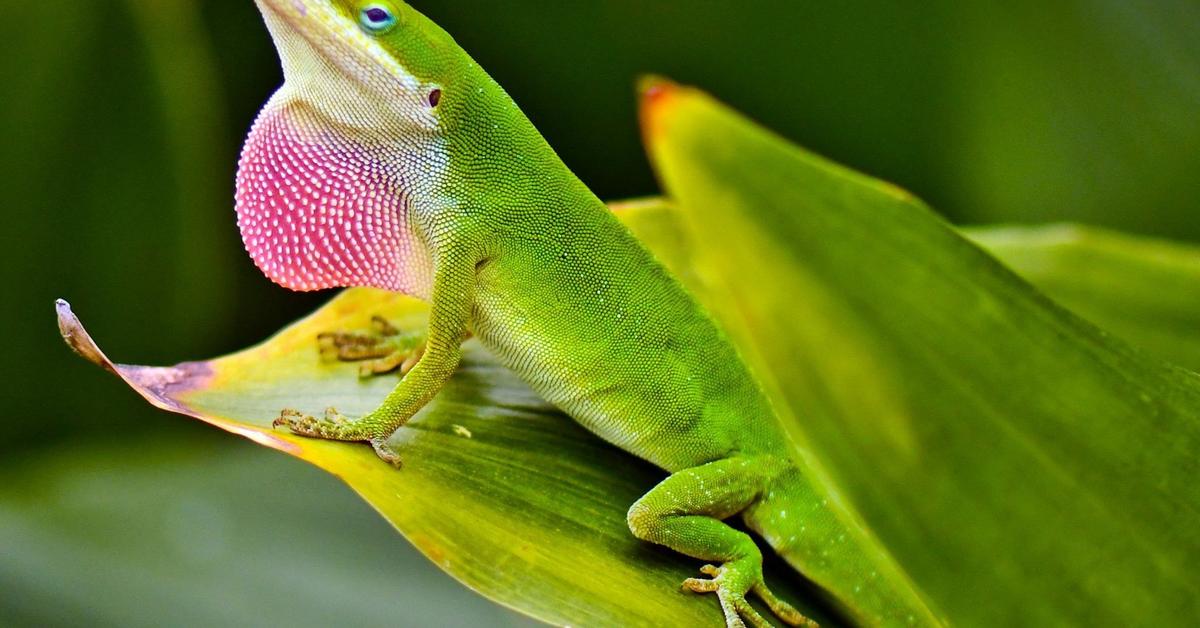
<point>499,161</point>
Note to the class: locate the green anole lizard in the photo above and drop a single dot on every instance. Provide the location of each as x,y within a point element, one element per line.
<point>389,158</point>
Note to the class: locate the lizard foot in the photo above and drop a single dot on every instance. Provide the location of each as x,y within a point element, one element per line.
<point>335,426</point>
<point>731,582</point>
<point>382,350</point>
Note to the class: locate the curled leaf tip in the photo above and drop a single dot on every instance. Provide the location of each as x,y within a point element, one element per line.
<point>161,386</point>
<point>78,338</point>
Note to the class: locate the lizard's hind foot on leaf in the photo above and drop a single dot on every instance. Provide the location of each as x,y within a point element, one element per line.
<point>727,582</point>
<point>381,350</point>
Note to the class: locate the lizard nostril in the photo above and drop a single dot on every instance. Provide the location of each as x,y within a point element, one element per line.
<point>435,97</point>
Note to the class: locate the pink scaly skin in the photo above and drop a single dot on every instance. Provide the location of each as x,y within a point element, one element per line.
<point>318,212</point>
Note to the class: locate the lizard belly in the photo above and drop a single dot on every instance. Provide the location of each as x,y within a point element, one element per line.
<point>632,373</point>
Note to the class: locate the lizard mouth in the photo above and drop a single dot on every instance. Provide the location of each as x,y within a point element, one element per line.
<point>312,36</point>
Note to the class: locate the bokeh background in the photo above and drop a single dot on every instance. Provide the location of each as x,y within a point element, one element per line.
<point>122,121</point>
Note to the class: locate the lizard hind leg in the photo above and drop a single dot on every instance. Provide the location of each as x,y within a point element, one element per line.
<point>383,349</point>
<point>685,511</point>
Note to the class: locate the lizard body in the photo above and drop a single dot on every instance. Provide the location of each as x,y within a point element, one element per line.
<point>389,158</point>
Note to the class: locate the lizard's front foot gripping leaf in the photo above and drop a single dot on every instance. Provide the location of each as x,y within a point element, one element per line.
<point>335,426</point>
<point>731,583</point>
<point>382,350</point>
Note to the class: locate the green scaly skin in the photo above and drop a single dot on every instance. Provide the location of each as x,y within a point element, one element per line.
<point>506,243</point>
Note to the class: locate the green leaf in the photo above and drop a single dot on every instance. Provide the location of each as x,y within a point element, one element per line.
<point>1145,290</point>
<point>499,489</point>
<point>1023,466</point>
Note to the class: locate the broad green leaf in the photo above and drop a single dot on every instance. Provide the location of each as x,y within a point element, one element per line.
<point>1144,290</point>
<point>1023,466</point>
<point>505,493</point>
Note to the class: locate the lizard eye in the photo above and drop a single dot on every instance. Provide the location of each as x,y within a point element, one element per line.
<point>376,19</point>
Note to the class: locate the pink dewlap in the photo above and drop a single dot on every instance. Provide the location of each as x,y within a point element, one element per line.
<point>317,211</point>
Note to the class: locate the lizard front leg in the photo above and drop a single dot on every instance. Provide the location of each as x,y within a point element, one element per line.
<point>685,511</point>
<point>449,317</point>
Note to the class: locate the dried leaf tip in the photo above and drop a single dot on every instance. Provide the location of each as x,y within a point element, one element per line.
<point>77,337</point>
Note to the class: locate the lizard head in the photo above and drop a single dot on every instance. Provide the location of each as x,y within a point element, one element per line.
<point>349,152</point>
<point>367,65</point>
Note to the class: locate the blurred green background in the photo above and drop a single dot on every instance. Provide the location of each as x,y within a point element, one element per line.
<point>122,122</point>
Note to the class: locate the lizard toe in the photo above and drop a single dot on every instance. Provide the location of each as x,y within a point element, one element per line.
<point>731,582</point>
<point>382,349</point>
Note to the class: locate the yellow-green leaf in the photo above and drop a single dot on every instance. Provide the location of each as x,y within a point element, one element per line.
<point>499,489</point>
<point>1145,290</point>
<point>1024,467</point>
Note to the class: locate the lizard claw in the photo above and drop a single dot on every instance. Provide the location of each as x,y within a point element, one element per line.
<point>729,583</point>
<point>383,327</point>
<point>385,452</point>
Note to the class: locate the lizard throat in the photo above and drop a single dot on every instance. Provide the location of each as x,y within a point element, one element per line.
<point>318,209</point>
